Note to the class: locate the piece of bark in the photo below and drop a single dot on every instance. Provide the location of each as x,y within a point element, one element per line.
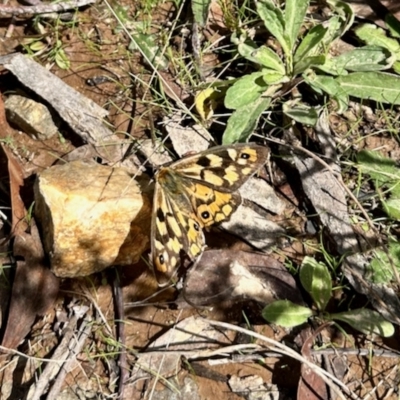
<point>64,355</point>
<point>154,153</point>
<point>34,287</point>
<point>92,217</point>
<point>311,385</point>
<point>329,199</point>
<point>254,228</point>
<point>188,336</point>
<point>186,139</point>
<point>260,192</point>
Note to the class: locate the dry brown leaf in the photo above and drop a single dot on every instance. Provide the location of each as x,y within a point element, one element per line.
<point>34,289</point>
<point>16,177</point>
<point>311,385</point>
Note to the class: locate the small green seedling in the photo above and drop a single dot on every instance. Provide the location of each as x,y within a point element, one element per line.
<point>316,279</point>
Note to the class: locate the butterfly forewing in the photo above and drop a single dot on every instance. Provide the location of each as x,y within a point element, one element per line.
<point>194,193</point>
<point>225,168</point>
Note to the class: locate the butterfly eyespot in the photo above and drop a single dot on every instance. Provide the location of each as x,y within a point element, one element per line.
<point>196,227</point>
<point>161,259</point>
<point>245,156</point>
<point>205,215</point>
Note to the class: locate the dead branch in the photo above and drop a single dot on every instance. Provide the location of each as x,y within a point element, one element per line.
<point>7,11</point>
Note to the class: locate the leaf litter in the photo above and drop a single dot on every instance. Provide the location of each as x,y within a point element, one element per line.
<point>226,282</point>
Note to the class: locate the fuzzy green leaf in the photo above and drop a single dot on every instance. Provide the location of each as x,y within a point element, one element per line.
<point>200,11</point>
<point>378,86</point>
<point>295,12</point>
<point>274,21</point>
<point>383,262</point>
<point>392,207</point>
<point>307,63</point>
<point>301,113</point>
<point>286,313</point>
<point>366,321</point>
<point>268,59</point>
<point>396,67</point>
<point>382,169</point>
<point>246,49</point>
<point>243,121</point>
<point>310,44</point>
<point>374,36</point>
<point>316,279</point>
<point>274,78</point>
<point>367,58</point>
<point>245,90</point>
<point>151,50</point>
<point>346,15</point>
<point>328,84</point>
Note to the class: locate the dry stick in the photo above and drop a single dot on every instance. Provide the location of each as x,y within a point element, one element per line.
<point>6,350</point>
<point>61,353</point>
<point>75,347</point>
<point>6,11</point>
<point>120,315</point>
<point>263,354</point>
<point>10,29</point>
<point>279,347</point>
<point>383,381</point>
<point>158,376</point>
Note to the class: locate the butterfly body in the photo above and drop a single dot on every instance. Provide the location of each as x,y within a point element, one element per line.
<point>194,193</point>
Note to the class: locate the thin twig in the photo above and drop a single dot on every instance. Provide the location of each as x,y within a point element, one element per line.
<point>120,316</point>
<point>75,347</point>
<point>279,347</point>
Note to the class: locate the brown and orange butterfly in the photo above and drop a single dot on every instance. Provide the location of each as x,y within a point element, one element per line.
<point>194,193</point>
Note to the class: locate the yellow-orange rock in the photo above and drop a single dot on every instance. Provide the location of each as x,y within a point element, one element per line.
<point>91,217</point>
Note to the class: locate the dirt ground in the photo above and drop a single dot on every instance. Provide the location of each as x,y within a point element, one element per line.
<point>95,50</point>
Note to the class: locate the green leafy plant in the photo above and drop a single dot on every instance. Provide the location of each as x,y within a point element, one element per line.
<point>304,58</point>
<point>386,177</point>
<point>316,280</point>
<point>48,44</point>
<point>141,40</point>
<point>374,36</point>
<point>382,265</point>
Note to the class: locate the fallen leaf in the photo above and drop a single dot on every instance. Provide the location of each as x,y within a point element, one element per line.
<point>311,385</point>
<point>34,289</point>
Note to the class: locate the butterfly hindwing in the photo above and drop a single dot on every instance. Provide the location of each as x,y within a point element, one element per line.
<point>175,228</point>
<point>211,205</point>
<point>193,193</point>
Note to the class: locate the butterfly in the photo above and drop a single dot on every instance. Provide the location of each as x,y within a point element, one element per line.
<point>192,194</point>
